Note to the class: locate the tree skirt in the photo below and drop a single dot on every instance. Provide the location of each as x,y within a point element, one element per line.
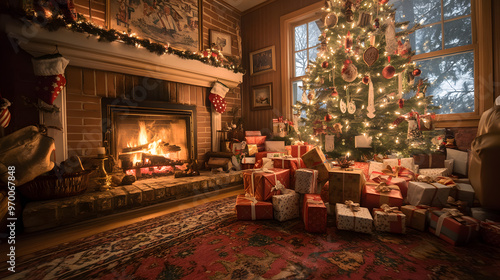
<point>208,242</point>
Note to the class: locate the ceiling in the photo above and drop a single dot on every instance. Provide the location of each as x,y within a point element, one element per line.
<point>243,5</point>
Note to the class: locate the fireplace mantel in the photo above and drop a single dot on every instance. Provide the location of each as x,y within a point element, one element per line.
<point>85,50</point>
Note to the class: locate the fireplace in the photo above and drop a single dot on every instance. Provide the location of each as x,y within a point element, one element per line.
<point>149,138</point>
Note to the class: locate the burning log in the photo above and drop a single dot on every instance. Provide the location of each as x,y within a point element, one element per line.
<point>135,149</point>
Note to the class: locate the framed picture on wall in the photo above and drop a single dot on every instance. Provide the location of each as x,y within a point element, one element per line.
<point>176,23</point>
<point>262,97</point>
<point>262,61</point>
<point>221,41</point>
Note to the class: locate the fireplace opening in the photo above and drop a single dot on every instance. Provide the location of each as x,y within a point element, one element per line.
<point>149,139</point>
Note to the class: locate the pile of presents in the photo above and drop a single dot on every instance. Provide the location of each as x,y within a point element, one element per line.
<point>303,184</point>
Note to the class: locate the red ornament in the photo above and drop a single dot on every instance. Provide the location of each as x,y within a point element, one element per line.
<point>328,117</point>
<point>214,55</point>
<point>324,64</point>
<point>388,71</point>
<point>348,41</point>
<point>377,23</point>
<point>416,72</point>
<point>382,2</point>
<point>334,92</point>
<point>205,53</point>
<point>366,80</point>
<point>401,103</point>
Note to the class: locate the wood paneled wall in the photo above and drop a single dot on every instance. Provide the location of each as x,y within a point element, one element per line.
<point>260,29</point>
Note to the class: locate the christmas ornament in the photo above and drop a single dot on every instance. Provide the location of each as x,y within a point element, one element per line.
<point>401,103</point>
<point>376,23</point>
<point>416,72</point>
<point>364,19</point>
<point>348,41</point>
<point>365,80</point>
<point>388,71</point>
<point>349,15</point>
<point>4,112</point>
<point>343,106</point>
<point>404,49</point>
<point>304,98</point>
<point>49,70</point>
<point>398,120</point>
<point>391,45</point>
<point>331,20</point>
<point>328,117</point>
<point>410,79</point>
<point>382,2</point>
<point>370,56</point>
<point>414,132</point>
<point>325,64</point>
<point>371,101</point>
<point>349,71</point>
<point>351,107</point>
<point>218,97</point>
<point>334,92</point>
<point>311,95</point>
<point>337,128</point>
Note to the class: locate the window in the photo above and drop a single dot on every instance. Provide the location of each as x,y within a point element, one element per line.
<point>444,50</point>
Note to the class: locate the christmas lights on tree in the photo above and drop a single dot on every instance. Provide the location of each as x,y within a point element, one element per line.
<point>354,89</point>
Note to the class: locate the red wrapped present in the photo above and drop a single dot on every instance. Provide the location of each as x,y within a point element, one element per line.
<point>389,219</point>
<point>248,208</point>
<point>300,150</point>
<point>402,183</point>
<point>258,140</point>
<point>364,166</point>
<point>375,194</point>
<point>490,232</point>
<point>325,192</point>
<point>314,213</point>
<point>291,164</point>
<point>452,226</point>
<point>264,183</point>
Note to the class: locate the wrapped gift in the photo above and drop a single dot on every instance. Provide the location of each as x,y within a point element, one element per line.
<point>490,232</point>
<point>463,192</point>
<point>264,183</point>
<point>325,192</point>
<point>485,214</point>
<point>275,155</point>
<point>416,216</point>
<point>364,166</point>
<point>314,213</point>
<point>389,219</point>
<point>350,216</point>
<point>257,140</point>
<point>275,146</point>
<point>346,185</point>
<point>452,226</point>
<point>286,205</point>
<point>375,194</point>
<point>248,160</point>
<point>432,194</point>
<point>313,157</point>
<point>289,163</point>
<point>252,149</point>
<point>402,183</point>
<point>248,208</point>
<point>306,181</point>
<point>245,166</point>
<point>300,150</point>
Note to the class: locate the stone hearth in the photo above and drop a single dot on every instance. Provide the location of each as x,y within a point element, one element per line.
<point>52,213</point>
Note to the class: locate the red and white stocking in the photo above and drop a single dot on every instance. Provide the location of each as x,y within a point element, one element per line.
<point>50,72</point>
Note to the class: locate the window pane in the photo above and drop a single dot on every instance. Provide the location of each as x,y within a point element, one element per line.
<point>313,53</point>
<point>404,11</point>
<point>314,33</point>
<point>457,33</point>
<point>297,91</point>
<point>300,37</point>
<point>451,81</point>
<point>425,11</point>
<point>300,63</point>
<point>427,39</point>
<point>456,8</point>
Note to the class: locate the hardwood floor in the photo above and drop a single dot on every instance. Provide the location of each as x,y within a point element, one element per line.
<point>30,243</point>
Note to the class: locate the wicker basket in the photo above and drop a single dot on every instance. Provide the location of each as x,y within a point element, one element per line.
<point>46,187</point>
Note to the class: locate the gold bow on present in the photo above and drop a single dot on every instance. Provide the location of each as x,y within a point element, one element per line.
<point>353,206</point>
<point>384,188</point>
<point>388,170</point>
<point>388,209</point>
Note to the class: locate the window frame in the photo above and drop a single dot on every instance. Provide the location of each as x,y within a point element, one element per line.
<point>482,47</point>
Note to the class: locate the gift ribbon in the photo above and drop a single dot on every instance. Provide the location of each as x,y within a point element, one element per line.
<point>354,208</point>
<point>278,185</point>
<point>393,217</point>
<point>459,217</point>
<point>253,202</point>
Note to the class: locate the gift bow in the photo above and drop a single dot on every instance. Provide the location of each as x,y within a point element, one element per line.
<point>388,209</point>
<point>388,170</point>
<point>353,206</point>
<point>384,188</point>
<point>253,201</point>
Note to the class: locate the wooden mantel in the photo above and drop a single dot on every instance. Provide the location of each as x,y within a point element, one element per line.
<point>85,50</point>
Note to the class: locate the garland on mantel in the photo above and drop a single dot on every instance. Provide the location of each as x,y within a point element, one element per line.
<point>209,56</point>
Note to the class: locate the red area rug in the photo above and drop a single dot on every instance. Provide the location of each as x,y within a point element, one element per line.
<point>208,242</point>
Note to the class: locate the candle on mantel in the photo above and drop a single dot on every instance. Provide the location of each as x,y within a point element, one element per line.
<point>101,151</point>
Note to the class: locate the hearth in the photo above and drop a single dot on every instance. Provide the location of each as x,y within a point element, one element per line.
<point>149,138</point>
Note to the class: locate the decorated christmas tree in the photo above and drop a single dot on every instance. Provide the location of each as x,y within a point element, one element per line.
<point>363,84</point>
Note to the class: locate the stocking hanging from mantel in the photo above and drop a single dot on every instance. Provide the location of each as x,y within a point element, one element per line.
<point>218,97</point>
<point>49,70</point>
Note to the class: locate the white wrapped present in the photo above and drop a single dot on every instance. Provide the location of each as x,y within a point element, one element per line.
<point>389,219</point>
<point>352,217</point>
<point>306,181</point>
<point>286,205</point>
<point>431,194</point>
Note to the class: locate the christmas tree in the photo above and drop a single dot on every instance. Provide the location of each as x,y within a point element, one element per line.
<point>363,83</point>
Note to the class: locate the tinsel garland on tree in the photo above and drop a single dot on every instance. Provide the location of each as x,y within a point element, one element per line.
<point>361,82</point>
<point>210,56</point>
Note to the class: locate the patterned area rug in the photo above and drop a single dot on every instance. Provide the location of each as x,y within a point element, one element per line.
<point>208,242</point>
